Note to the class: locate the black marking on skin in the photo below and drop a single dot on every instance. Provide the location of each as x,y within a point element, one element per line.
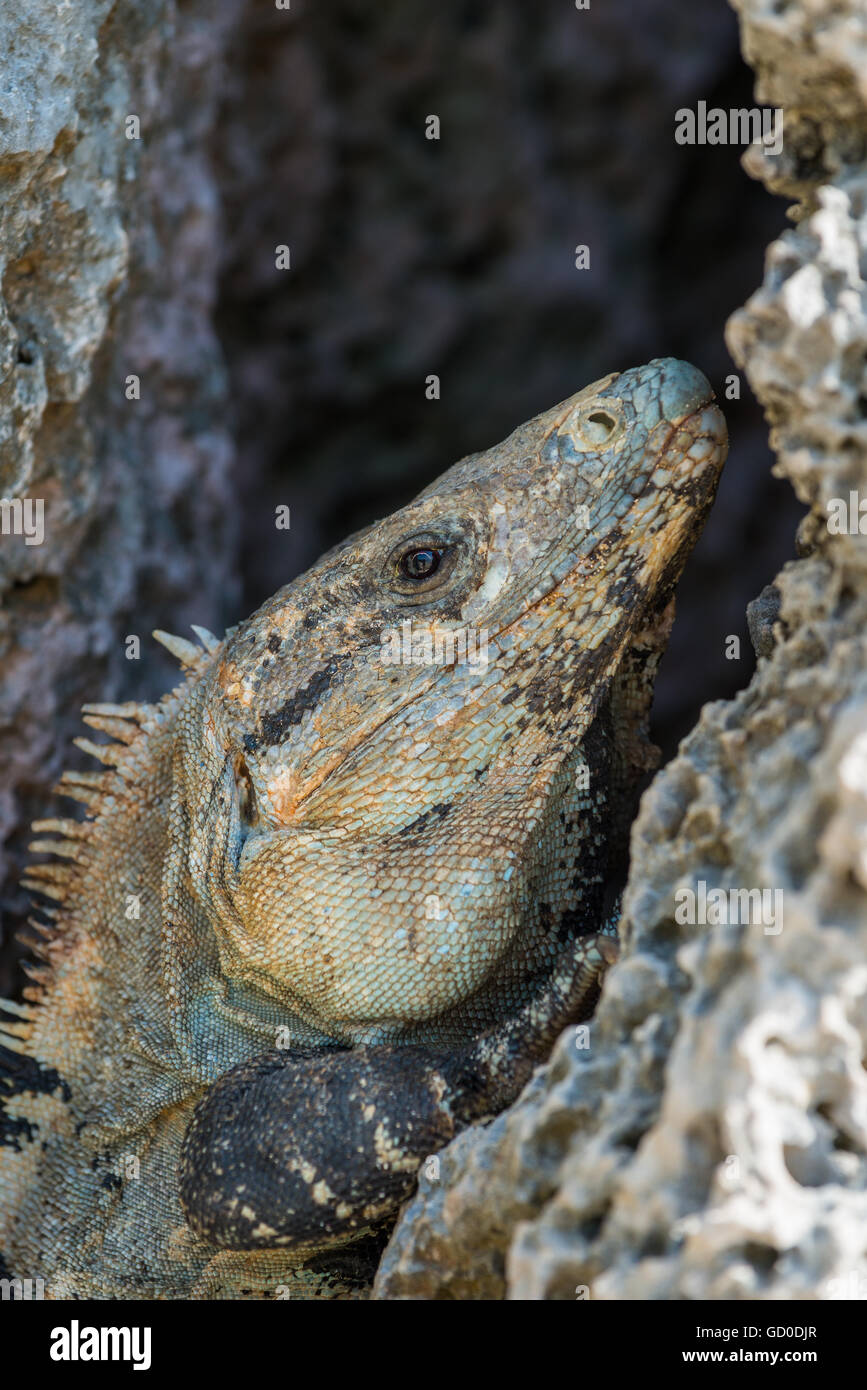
<point>111,1181</point>
<point>284,1121</point>
<point>441,809</point>
<point>12,1132</point>
<point>274,642</point>
<point>19,1076</point>
<point>274,727</point>
<point>357,1265</point>
<point>545,695</point>
<point>573,924</point>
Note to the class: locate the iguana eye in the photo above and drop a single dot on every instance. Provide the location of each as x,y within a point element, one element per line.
<point>421,568</point>
<point>420,564</point>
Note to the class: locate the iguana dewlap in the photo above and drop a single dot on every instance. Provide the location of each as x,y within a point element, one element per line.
<point>343,887</point>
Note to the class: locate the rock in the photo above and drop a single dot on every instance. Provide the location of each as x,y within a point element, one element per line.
<point>762,613</point>
<point>107,270</point>
<point>712,1141</point>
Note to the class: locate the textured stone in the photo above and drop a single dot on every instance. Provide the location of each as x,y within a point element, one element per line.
<point>107,268</point>
<point>712,1140</point>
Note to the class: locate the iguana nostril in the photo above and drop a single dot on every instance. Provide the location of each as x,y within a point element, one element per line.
<point>599,426</point>
<point>591,428</point>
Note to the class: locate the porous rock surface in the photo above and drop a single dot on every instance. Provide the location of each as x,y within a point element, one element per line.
<point>711,1142</point>
<point>107,270</point>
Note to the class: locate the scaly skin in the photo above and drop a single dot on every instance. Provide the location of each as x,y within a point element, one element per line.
<point>328,908</point>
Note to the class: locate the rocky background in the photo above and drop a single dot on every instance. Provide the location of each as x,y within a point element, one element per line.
<point>108,250</point>
<point>710,1143</point>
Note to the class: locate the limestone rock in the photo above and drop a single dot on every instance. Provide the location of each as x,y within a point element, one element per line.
<point>107,271</point>
<point>712,1140</point>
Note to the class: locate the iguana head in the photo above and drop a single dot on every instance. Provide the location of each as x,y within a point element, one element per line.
<point>391,782</point>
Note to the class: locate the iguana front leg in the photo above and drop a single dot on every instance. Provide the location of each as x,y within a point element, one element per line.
<point>304,1151</point>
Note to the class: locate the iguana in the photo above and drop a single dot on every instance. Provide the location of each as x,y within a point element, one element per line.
<point>340,890</point>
